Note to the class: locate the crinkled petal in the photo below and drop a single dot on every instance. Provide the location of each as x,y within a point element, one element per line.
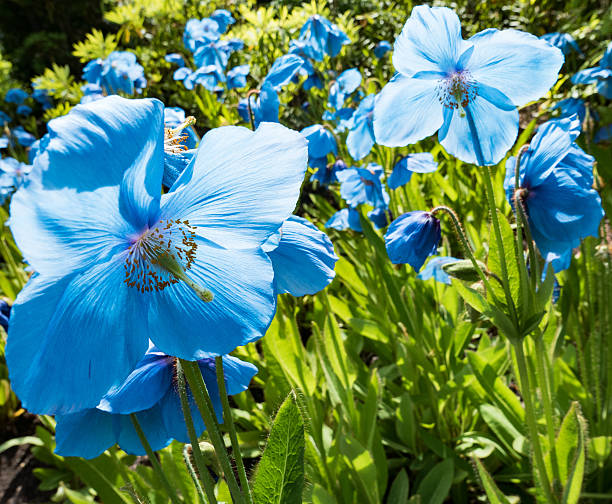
<point>242,185</point>
<point>406,111</point>
<point>518,64</point>
<point>71,339</point>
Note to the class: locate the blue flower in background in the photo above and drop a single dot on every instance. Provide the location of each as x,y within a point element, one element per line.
<point>363,185</point>
<point>360,139</point>
<point>114,256</point>
<point>236,77</point>
<point>321,142</point>
<point>119,72</point>
<point>265,108</point>
<point>223,18</point>
<point>341,118</point>
<point>307,69</point>
<point>434,270</point>
<point>16,96</point>
<point>304,258</point>
<point>328,174</point>
<point>4,142</point>
<point>24,110</point>
<point>563,41</point>
<point>347,218</point>
<point>322,37</point>
<point>42,97</point>
<point>557,178</point>
<point>603,134</point>
<point>91,92</point>
<point>175,58</point>
<point>455,86</point>
<point>571,106</point>
<point>380,217</point>
<point>600,75</point>
<point>5,312</point>
<point>4,118</point>
<point>412,237</point>
<point>382,48</point>
<point>346,83</point>
<point>150,392</point>
<point>420,162</point>
<point>13,173</point>
<point>283,70</point>
<point>23,137</point>
<point>200,31</point>
<point>180,140</point>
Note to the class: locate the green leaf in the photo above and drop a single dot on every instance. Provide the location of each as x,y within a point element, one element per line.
<point>33,440</point>
<point>398,494</point>
<point>493,493</point>
<point>570,447</point>
<point>437,483</point>
<point>464,270</point>
<point>280,474</point>
<point>362,467</point>
<point>503,428</point>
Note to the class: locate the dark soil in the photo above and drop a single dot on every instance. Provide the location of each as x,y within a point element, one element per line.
<point>17,483</point>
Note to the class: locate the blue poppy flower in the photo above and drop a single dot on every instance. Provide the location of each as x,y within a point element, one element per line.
<point>180,140</point>
<point>304,258</point>
<point>5,312</point>
<point>571,106</point>
<point>412,237</point>
<point>557,177</point>
<point>114,256</point>
<point>23,137</point>
<point>322,37</point>
<point>363,185</point>
<point>341,118</point>
<point>16,96</point>
<point>208,76</point>
<point>453,85</point>
<point>603,134</point>
<point>175,58</point>
<point>24,110</point>
<point>563,41</point>
<point>223,18</point>
<point>321,142</point>
<point>600,75</point>
<point>42,97</point>
<point>150,392</point>
<point>360,139</point>
<point>4,118</point>
<point>382,48</point>
<point>236,77</point>
<point>91,92</point>
<point>434,270</point>
<point>283,70</point>
<point>379,217</point>
<point>328,174</point>
<point>265,108</point>
<point>13,174</point>
<point>347,218</point>
<point>120,71</point>
<point>420,162</point>
<point>346,83</point>
<point>200,31</point>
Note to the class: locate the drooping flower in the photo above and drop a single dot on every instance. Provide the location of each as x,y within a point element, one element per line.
<point>363,185</point>
<point>420,162</point>
<point>603,134</point>
<point>461,87</point>
<point>382,48</point>
<point>556,178</point>
<point>16,96</point>
<point>360,139</point>
<point>380,217</point>
<point>115,257</point>
<point>563,41</point>
<point>24,110</point>
<point>151,393</point>
<point>236,77</point>
<point>223,18</point>
<point>199,32</point>
<point>434,270</point>
<point>347,218</point>
<point>265,108</point>
<point>328,173</point>
<point>322,37</point>
<point>346,83</point>
<point>321,142</point>
<point>304,258</point>
<point>412,237</point>
<point>600,75</point>
<point>119,72</point>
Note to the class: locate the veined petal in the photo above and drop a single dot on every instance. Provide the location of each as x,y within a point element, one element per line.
<point>430,41</point>
<point>518,64</point>
<point>242,307</point>
<point>496,129</point>
<point>406,111</point>
<point>94,144</point>
<point>242,185</point>
<point>71,339</point>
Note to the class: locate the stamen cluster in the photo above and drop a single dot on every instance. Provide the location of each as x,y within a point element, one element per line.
<point>457,90</point>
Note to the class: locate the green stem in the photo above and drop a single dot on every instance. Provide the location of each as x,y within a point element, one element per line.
<point>157,468</point>
<point>207,481</point>
<point>527,394</point>
<point>228,421</point>
<point>194,476</point>
<point>202,399</point>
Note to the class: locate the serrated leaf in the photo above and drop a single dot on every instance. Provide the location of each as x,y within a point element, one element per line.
<point>280,475</point>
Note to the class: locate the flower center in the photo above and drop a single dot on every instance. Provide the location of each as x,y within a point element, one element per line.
<point>174,138</point>
<point>161,256</point>
<point>457,90</point>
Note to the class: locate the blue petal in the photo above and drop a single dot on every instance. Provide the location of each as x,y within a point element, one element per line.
<point>176,163</point>
<point>518,64</point>
<point>283,70</point>
<point>434,270</point>
<point>412,237</point>
<point>349,80</point>
<point>406,111</point>
<point>242,185</point>
<point>379,217</point>
<point>304,260</point>
<point>320,141</point>
<point>60,355</point>
<point>84,434</point>
<point>496,129</point>
<point>238,374</point>
<point>152,425</point>
<point>242,307</point>
<point>360,140</point>
<point>345,219</point>
<point>429,42</point>
<point>143,388</point>
<point>268,105</point>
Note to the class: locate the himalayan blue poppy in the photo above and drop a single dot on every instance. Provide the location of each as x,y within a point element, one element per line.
<point>363,185</point>
<point>434,270</point>
<point>347,218</point>
<point>236,77</point>
<point>412,237</point>
<point>328,173</point>
<point>382,48</point>
<point>322,38</point>
<point>600,75</point>
<point>360,138</point>
<point>563,41</point>
<point>16,96</point>
<point>420,162</point>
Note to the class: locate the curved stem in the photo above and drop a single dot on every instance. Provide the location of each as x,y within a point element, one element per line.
<point>202,399</point>
<point>157,468</point>
<point>209,484</point>
<point>228,421</point>
<point>194,477</point>
<point>250,110</point>
<point>530,417</point>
